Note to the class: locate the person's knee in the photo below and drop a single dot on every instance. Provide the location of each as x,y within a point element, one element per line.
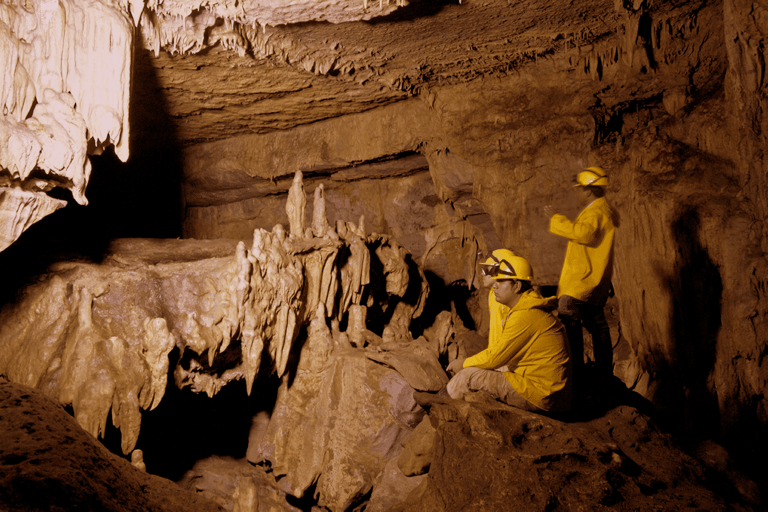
<point>458,386</point>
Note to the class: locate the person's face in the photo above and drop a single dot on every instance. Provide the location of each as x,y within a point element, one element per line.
<point>504,290</point>
<point>585,195</point>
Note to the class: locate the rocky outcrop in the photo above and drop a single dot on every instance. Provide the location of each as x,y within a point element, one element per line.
<point>336,428</point>
<point>49,463</point>
<point>477,454</point>
<point>490,456</point>
<point>98,336</point>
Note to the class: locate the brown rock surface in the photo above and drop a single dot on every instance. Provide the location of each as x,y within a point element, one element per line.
<point>449,126</point>
<point>47,463</point>
<point>488,456</point>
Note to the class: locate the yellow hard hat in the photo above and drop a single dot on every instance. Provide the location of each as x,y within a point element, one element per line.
<point>591,177</point>
<point>504,264</point>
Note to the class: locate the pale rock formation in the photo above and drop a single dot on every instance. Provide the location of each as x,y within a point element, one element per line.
<point>188,26</point>
<point>337,426</point>
<point>441,334</point>
<point>391,488</point>
<point>64,95</point>
<point>319,218</point>
<point>231,483</point>
<point>98,337</point>
<point>417,361</point>
<point>20,208</point>
<point>296,205</point>
<point>342,418</point>
<point>246,496</point>
<point>137,460</point>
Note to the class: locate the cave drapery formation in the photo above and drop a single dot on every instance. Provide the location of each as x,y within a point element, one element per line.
<point>446,125</point>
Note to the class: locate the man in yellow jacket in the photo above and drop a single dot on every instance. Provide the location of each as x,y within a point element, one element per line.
<point>586,277</point>
<point>527,362</point>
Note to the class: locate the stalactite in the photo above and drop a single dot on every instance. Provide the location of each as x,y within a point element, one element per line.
<point>108,332</point>
<point>72,61</point>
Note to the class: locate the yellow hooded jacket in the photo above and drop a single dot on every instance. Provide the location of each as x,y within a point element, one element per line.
<point>588,262</point>
<point>531,343</point>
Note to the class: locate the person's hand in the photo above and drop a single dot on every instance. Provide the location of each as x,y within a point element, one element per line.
<point>456,365</point>
<point>549,211</point>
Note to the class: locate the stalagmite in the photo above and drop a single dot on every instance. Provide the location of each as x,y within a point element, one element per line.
<point>137,460</point>
<point>319,220</point>
<point>104,334</point>
<point>356,324</point>
<point>296,205</point>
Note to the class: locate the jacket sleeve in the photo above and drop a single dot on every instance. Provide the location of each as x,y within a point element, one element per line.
<point>584,231</point>
<point>501,350</point>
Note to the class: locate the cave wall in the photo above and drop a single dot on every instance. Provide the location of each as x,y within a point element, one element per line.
<point>671,108</point>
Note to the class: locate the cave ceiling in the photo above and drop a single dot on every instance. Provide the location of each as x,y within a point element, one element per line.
<point>142,77</point>
<point>293,70</point>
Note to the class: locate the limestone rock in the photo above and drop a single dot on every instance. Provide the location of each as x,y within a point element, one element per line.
<point>337,427</point>
<point>418,450</point>
<point>234,484</point>
<point>391,487</point>
<point>415,361</point>
<point>50,463</point>
<point>102,334</point>
<point>496,457</point>
<point>63,96</point>
<point>19,209</point>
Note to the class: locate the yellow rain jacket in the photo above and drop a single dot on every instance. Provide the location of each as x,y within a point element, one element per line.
<point>588,262</point>
<point>531,343</point>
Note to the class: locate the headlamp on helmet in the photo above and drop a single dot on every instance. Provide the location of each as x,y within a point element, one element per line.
<point>494,269</point>
<point>504,264</point>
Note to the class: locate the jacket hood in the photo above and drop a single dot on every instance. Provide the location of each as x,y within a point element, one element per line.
<point>533,300</point>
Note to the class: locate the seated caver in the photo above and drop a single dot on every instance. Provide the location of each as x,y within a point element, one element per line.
<point>527,363</point>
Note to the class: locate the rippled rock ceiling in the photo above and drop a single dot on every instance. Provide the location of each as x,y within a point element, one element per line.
<point>449,126</point>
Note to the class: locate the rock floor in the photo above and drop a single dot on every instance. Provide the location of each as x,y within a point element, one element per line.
<point>487,456</point>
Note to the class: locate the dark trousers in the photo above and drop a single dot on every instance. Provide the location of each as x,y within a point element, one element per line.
<point>574,314</point>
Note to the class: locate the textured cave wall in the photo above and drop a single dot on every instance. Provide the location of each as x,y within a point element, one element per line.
<point>671,107</point>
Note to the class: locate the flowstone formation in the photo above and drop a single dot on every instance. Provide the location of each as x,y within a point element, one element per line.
<point>63,95</point>
<point>97,337</point>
